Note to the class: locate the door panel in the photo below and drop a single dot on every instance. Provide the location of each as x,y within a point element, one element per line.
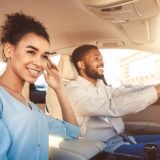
<point>144,122</point>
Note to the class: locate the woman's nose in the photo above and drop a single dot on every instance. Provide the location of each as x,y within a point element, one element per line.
<point>37,61</point>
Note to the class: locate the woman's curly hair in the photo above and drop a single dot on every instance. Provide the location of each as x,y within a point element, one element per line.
<point>17,25</point>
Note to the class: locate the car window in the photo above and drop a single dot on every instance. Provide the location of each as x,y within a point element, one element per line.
<point>125,67</point>
<point>2,67</point>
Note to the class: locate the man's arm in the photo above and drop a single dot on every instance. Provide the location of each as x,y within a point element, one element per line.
<point>114,103</point>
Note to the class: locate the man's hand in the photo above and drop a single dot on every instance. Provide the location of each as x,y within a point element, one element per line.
<point>158,89</point>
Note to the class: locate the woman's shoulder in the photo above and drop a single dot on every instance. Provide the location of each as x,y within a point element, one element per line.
<point>3,92</point>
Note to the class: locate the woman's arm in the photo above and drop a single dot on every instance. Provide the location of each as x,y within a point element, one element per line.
<point>4,138</point>
<point>4,141</point>
<point>54,80</point>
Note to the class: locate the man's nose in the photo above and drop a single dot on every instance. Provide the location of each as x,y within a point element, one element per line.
<point>101,61</point>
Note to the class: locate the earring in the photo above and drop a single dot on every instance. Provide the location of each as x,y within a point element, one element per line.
<point>8,57</point>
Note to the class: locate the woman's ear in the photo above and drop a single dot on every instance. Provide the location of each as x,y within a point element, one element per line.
<point>80,65</point>
<point>8,50</point>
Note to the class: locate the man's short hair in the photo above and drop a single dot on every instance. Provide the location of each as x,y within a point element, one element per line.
<point>79,53</point>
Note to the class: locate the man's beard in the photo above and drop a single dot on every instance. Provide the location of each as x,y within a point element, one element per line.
<point>93,74</point>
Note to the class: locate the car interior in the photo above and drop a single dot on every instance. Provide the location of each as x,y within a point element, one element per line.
<point>115,27</point>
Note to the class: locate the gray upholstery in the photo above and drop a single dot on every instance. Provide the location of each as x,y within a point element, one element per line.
<point>79,149</point>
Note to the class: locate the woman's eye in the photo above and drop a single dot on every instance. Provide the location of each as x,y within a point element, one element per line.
<point>31,52</point>
<point>45,57</point>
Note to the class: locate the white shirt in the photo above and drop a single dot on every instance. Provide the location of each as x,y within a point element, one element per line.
<point>99,108</point>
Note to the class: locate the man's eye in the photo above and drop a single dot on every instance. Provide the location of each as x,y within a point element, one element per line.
<point>96,58</point>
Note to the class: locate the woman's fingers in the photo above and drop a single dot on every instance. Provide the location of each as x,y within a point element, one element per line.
<point>51,65</point>
<point>52,75</point>
<point>51,69</point>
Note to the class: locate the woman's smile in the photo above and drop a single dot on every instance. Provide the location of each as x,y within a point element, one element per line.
<point>34,73</point>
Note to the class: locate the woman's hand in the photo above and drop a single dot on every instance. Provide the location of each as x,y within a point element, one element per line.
<point>52,76</point>
<point>54,80</point>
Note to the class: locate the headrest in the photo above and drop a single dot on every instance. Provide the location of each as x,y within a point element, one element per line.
<point>67,68</point>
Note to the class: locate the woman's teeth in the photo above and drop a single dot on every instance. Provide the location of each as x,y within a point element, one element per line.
<point>33,72</point>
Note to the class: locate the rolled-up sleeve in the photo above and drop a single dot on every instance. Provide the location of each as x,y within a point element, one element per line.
<point>62,129</point>
<point>133,101</point>
<point>114,102</point>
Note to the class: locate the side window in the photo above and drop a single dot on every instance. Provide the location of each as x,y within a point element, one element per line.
<point>124,67</point>
<point>37,91</point>
<point>2,67</point>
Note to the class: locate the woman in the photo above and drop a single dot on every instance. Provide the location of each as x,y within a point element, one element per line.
<point>24,128</point>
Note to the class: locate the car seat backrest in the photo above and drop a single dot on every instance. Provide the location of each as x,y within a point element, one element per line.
<point>68,72</point>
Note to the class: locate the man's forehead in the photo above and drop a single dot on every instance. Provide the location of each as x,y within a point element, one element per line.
<point>93,53</point>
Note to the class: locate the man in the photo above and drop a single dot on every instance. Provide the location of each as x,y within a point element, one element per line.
<point>99,107</point>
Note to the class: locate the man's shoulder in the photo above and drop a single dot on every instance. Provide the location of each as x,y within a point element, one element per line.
<point>71,83</point>
<point>75,83</point>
